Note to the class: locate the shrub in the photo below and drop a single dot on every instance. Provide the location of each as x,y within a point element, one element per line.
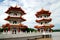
<point>1,29</point>
<point>31,29</point>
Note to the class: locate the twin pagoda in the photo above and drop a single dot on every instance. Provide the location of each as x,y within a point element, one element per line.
<point>15,20</point>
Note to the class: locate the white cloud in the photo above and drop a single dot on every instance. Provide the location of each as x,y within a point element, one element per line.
<point>31,7</point>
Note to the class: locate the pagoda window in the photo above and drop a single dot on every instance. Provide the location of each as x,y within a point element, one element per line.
<point>10,21</point>
<point>14,22</point>
<point>15,14</point>
<point>44,15</point>
<point>19,14</point>
<point>45,22</point>
<point>41,23</point>
<point>40,16</point>
<point>10,12</point>
<point>41,30</point>
<point>47,30</point>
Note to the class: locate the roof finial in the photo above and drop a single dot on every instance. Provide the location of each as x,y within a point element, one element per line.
<point>42,9</point>
<point>16,5</point>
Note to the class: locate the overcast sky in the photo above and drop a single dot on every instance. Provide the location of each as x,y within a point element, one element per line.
<point>31,7</point>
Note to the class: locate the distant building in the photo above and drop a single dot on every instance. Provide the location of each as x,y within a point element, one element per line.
<point>43,21</point>
<point>15,20</point>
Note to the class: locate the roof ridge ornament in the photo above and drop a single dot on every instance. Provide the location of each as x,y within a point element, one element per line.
<point>16,6</point>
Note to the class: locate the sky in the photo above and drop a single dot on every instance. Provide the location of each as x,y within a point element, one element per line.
<point>31,7</point>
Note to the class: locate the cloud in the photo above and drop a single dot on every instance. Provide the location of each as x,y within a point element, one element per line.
<point>31,7</point>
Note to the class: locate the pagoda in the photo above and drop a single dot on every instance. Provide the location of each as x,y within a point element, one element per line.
<point>15,20</point>
<point>43,21</point>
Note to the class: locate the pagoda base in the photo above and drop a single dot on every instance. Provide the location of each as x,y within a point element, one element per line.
<point>44,30</point>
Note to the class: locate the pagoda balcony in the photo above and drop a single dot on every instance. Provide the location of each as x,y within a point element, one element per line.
<point>47,24</point>
<point>14,24</point>
<point>14,16</point>
<point>44,18</point>
<point>44,26</point>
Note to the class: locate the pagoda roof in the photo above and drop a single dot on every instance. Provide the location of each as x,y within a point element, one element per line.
<point>39,13</point>
<point>15,9</point>
<point>6,25</point>
<point>46,20</point>
<point>15,18</point>
<point>38,27</point>
<point>17,26</point>
<point>50,26</point>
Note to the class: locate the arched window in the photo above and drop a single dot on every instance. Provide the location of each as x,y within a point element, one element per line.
<point>14,22</point>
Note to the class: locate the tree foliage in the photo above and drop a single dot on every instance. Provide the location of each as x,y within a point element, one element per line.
<point>31,29</point>
<point>56,30</point>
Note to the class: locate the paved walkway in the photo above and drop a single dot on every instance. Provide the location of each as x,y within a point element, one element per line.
<point>45,39</point>
<point>32,36</point>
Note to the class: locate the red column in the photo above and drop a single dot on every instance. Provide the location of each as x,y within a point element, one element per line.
<point>18,29</point>
<point>4,30</point>
<point>8,29</point>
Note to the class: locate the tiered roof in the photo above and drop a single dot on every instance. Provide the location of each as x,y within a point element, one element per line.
<point>17,26</point>
<point>15,9</point>
<point>46,20</point>
<point>15,18</point>
<point>43,13</point>
<point>43,26</point>
<point>38,14</point>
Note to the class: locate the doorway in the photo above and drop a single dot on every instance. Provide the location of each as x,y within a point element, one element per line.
<point>14,31</point>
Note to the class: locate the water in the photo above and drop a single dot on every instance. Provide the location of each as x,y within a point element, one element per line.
<point>56,35</point>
